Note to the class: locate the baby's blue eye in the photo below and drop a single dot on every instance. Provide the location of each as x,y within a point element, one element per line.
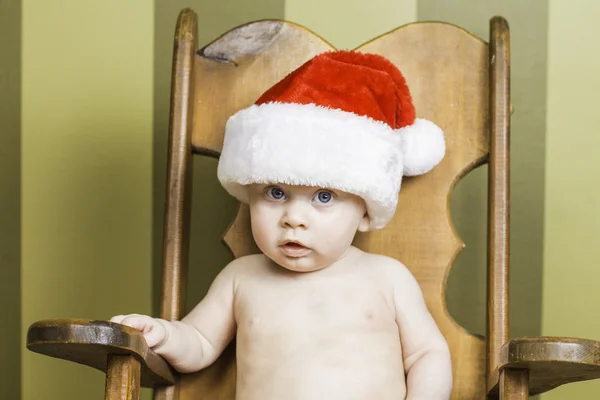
<point>324,196</point>
<point>275,192</point>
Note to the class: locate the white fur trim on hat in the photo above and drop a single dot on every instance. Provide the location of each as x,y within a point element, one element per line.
<point>315,146</point>
<point>423,146</point>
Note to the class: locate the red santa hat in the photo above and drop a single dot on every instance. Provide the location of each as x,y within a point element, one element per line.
<point>343,120</point>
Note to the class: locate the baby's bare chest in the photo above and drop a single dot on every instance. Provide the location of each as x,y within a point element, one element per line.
<point>271,305</point>
<point>317,339</point>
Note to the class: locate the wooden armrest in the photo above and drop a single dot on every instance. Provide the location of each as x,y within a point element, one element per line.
<point>551,361</point>
<point>90,342</point>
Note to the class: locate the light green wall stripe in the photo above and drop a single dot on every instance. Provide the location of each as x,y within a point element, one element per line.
<point>466,292</point>
<point>571,276</point>
<point>10,198</point>
<point>86,174</point>
<point>347,24</point>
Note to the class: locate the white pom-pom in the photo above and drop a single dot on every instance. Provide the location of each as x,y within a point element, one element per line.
<point>423,146</point>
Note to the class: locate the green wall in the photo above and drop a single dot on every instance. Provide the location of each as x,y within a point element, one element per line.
<point>86,174</point>
<point>10,198</point>
<point>347,24</point>
<point>572,215</point>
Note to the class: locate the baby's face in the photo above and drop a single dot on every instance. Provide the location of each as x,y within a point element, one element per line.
<point>304,228</point>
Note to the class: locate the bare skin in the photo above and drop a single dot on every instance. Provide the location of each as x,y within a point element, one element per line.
<point>315,318</point>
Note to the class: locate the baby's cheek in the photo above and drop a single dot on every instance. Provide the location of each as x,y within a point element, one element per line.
<point>341,233</point>
<point>336,243</point>
<point>259,226</point>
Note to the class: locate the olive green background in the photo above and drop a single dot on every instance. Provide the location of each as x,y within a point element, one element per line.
<point>10,199</point>
<point>571,216</point>
<point>86,176</point>
<point>84,107</point>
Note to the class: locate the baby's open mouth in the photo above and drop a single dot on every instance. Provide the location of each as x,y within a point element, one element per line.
<point>294,249</point>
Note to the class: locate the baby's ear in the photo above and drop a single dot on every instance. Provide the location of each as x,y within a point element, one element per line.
<point>364,224</point>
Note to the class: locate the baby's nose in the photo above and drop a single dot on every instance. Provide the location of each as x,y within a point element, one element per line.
<point>295,215</point>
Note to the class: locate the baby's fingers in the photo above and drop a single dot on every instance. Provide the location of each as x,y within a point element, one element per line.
<point>118,318</point>
<point>156,335</point>
<point>154,332</point>
<point>136,321</point>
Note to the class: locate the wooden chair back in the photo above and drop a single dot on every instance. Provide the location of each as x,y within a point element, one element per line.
<point>456,79</point>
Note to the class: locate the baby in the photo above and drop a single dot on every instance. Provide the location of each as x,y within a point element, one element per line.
<point>315,317</point>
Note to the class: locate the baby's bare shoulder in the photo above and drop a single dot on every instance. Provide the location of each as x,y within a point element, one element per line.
<point>239,270</point>
<point>249,265</point>
<point>246,262</point>
<point>383,264</point>
<point>388,268</point>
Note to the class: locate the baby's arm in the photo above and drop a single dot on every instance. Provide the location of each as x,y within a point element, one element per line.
<point>200,337</point>
<point>426,355</point>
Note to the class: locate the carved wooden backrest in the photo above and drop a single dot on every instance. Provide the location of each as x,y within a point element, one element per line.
<point>447,71</point>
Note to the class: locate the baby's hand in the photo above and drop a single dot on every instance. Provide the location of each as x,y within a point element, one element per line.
<point>154,331</point>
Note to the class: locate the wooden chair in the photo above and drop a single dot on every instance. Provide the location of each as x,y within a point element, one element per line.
<point>457,80</point>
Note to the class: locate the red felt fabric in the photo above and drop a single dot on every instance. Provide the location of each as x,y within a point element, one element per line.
<point>360,83</point>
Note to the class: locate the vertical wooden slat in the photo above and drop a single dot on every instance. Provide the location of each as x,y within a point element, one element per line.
<point>166,393</point>
<point>122,378</point>
<point>499,191</point>
<point>178,191</point>
<point>179,176</point>
<point>514,384</point>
